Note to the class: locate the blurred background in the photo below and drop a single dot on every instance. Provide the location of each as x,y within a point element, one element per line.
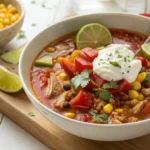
<point>79,7</point>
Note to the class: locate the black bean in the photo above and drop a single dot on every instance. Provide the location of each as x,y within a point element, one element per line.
<point>66,105</point>
<point>66,87</point>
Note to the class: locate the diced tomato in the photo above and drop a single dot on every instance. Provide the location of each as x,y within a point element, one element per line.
<point>82,100</point>
<point>98,80</point>
<point>124,86</point>
<point>146,109</point>
<point>143,61</point>
<point>69,67</point>
<point>82,64</point>
<point>83,55</point>
<point>84,117</point>
<point>90,53</point>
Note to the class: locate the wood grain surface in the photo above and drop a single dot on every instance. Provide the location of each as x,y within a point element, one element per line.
<point>17,106</point>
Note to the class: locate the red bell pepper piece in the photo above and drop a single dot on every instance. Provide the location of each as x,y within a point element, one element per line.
<point>146,109</point>
<point>82,64</point>
<point>143,61</point>
<point>124,86</point>
<point>69,67</point>
<point>98,80</point>
<point>82,100</point>
<point>90,53</point>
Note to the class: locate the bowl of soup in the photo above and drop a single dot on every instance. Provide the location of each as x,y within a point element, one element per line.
<point>84,75</point>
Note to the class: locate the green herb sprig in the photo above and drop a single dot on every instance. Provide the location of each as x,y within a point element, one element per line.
<point>102,118</point>
<point>81,80</point>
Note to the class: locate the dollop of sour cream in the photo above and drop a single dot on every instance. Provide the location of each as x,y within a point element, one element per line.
<point>117,62</point>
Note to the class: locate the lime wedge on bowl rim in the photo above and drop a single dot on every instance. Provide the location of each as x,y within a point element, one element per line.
<point>9,82</point>
<point>12,56</point>
<point>93,35</point>
<point>146,51</point>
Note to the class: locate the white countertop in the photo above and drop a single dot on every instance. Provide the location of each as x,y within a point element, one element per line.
<point>12,137</point>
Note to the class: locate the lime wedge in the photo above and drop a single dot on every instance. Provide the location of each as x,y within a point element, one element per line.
<point>146,51</point>
<point>44,61</point>
<point>93,35</point>
<point>12,56</point>
<point>9,82</point>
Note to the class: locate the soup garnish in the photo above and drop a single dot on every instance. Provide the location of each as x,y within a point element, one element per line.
<point>102,83</point>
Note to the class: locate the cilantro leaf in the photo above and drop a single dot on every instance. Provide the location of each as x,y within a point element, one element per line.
<point>31,114</point>
<point>103,118</point>
<point>147,79</point>
<point>114,63</point>
<point>81,80</point>
<point>103,94</point>
<point>111,85</point>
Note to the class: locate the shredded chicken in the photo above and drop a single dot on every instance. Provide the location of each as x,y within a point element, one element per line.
<point>146,91</point>
<point>117,118</point>
<point>132,119</point>
<point>54,88</point>
<point>138,107</point>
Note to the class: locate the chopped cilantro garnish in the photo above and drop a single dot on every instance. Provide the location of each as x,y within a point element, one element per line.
<point>33,24</point>
<point>103,118</point>
<point>31,114</point>
<point>111,85</point>
<point>147,79</point>
<point>114,63</point>
<point>103,94</point>
<point>21,34</point>
<point>81,80</point>
<point>125,59</point>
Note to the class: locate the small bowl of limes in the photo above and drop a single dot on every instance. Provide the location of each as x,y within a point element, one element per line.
<point>12,14</point>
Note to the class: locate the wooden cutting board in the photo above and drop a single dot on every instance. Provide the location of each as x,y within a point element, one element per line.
<point>17,106</point>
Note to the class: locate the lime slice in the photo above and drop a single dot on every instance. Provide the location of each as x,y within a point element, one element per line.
<point>12,56</point>
<point>44,61</point>
<point>93,35</point>
<point>9,82</point>
<point>146,51</point>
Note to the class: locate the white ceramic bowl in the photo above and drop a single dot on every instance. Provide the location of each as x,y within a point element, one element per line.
<point>106,132</point>
<point>11,31</point>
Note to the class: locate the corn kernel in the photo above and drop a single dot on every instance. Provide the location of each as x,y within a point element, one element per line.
<point>75,54</point>
<point>59,59</point>
<point>141,97</point>
<point>1,20</point>
<point>13,19</point>
<point>12,10</point>
<point>69,115</point>
<point>9,6</point>
<point>2,5</point>
<point>1,26</point>
<point>8,15</point>
<point>17,16</point>
<point>4,10</point>
<point>6,21</point>
<point>119,110</point>
<point>63,76</point>
<point>136,85</point>
<point>2,15</point>
<point>108,108</point>
<point>133,94</point>
<point>134,102</point>
<point>141,77</point>
<point>50,49</point>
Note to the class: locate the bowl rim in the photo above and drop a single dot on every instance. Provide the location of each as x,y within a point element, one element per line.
<point>21,17</point>
<point>55,113</point>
